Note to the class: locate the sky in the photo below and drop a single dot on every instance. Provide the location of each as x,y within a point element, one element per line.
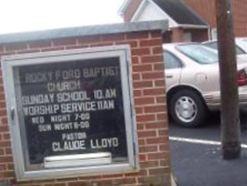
<point>32,15</point>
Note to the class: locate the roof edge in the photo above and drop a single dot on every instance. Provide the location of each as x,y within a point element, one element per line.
<point>123,7</point>
<point>195,13</point>
<point>186,7</point>
<point>84,31</point>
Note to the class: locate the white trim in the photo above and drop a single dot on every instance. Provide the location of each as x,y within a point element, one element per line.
<point>199,141</point>
<point>143,5</point>
<point>164,13</point>
<point>209,34</point>
<point>214,33</point>
<point>123,7</point>
<point>138,11</point>
<point>192,26</point>
<point>170,19</point>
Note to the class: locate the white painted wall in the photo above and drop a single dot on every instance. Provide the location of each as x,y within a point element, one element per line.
<point>214,33</point>
<point>149,11</point>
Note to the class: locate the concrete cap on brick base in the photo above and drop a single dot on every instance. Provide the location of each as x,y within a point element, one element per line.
<point>84,31</point>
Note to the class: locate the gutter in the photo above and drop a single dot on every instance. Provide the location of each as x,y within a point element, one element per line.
<point>192,26</point>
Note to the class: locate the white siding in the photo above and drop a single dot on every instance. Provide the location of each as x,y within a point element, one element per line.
<point>149,11</point>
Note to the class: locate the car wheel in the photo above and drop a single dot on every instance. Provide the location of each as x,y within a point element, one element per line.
<point>187,108</point>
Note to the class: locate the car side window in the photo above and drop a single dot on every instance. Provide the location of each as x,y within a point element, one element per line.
<point>214,45</point>
<point>171,61</point>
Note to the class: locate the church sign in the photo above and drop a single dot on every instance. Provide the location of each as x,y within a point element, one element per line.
<point>70,112</point>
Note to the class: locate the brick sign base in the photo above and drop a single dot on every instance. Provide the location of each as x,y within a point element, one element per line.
<point>149,104</point>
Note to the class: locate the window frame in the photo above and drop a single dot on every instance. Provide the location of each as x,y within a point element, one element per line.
<point>9,62</point>
<point>173,55</point>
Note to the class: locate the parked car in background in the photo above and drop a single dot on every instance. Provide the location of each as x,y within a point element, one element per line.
<point>241,45</point>
<point>192,82</point>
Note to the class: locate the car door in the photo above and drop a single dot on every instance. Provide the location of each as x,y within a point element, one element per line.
<point>173,68</point>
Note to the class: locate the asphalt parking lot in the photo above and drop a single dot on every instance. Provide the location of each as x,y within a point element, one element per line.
<point>196,156</point>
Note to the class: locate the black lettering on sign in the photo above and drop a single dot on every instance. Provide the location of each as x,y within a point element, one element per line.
<point>72,107</point>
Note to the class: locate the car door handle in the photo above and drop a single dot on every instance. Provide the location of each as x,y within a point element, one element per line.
<point>169,76</point>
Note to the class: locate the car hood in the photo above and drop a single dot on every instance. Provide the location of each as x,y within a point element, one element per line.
<point>242,61</point>
<point>242,57</point>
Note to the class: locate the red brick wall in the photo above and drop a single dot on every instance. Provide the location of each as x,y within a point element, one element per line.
<point>131,10</point>
<point>150,107</point>
<point>240,17</point>
<point>207,11</point>
<point>177,35</point>
<point>198,35</point>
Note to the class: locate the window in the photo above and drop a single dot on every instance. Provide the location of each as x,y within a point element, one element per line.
<point>187,37</point>
<point>70,112</point>
<point>171,61</point>
<point>199,53</point>
<point>214,45</point>
<point>213,33</point>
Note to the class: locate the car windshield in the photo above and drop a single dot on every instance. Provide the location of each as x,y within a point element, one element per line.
<point>199,53</point>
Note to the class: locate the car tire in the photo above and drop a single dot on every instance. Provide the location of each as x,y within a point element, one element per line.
<point>187,108</point>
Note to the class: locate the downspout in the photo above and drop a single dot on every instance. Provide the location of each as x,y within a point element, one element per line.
<point>209,33</point>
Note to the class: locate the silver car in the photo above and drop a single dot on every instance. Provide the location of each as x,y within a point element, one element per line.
<point>192,82</point>
<point>241,45</point>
